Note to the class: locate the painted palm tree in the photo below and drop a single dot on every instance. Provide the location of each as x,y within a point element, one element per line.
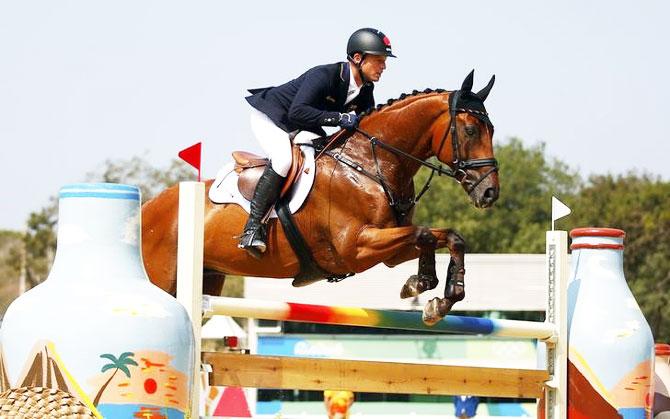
<point>120,364</point>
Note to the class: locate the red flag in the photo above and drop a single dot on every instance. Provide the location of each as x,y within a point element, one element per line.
<point>191,155</point>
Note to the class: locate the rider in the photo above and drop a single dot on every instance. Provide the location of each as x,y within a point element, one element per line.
<point>326,95</point>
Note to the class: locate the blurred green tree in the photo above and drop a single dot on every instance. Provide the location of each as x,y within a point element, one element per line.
<point>635,203</point>
<point>518,220</point>
<point>40,236</point>
<point>11,250</point>
<point>139,172</point>
<point>639,204</point>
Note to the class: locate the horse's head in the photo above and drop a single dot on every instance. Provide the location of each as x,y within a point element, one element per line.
<point>463,140</point>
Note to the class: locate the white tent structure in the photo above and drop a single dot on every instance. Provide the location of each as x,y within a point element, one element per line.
<point>493,282</point>
<point>218,327</point>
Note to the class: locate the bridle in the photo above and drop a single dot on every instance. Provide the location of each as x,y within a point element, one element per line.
<point>459,173</point>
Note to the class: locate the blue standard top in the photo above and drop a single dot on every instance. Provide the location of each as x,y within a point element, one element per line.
<point>100,190</point>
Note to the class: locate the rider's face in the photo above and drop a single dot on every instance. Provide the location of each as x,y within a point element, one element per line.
<point>373,66</point>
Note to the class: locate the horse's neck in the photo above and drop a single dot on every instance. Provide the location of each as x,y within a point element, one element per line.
<point>406,127</point>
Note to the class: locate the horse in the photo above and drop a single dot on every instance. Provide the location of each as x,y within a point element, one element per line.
<point>359,212</point>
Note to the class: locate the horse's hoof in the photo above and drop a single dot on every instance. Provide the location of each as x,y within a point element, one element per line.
<point>410,287</point>
<point>416,284</point>
<point>435,310</point>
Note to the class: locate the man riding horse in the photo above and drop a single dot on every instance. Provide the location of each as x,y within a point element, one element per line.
<point>326,95</point>
<point>359,211</point>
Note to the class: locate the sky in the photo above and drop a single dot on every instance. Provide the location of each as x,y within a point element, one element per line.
<point>82,82</point>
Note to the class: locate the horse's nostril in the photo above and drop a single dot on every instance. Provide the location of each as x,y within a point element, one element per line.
<point>491,194</point>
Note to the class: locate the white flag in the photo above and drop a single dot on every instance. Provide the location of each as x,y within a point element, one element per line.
<point>558,210</point>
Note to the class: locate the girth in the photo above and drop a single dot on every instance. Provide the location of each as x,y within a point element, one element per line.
<point>310,271</point>
<point>250,167</point>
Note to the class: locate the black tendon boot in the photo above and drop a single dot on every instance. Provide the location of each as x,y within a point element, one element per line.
<point>254,237</point>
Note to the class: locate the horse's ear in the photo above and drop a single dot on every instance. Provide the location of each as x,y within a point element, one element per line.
<point>467,83</point>
<point>484,93</point>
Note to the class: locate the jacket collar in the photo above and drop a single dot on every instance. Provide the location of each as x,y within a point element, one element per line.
<point>345,75</point>
<point>344,72</point>
<point>341,90</point>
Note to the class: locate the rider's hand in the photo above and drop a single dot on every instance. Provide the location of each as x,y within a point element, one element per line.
<point>348,121</point>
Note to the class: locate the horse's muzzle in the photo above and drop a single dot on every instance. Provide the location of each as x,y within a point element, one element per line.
<point>485,193</point>
<point>489,196</point>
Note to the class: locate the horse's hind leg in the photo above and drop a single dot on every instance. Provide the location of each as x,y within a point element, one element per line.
<point>426,278</point>
<point>212,282</point>
<point>454,290</point>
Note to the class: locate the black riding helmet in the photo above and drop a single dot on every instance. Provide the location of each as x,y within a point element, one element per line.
<point>369,41</point>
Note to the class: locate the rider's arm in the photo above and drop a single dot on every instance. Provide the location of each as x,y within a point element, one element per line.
<point>303,110</point>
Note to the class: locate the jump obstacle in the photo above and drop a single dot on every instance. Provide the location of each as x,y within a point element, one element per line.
<point>242,370</point>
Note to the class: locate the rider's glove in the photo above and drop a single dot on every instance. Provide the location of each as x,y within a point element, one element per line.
<point>348,121</point>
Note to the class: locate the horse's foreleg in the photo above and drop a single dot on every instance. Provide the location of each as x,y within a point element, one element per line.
<point>454,290</point>
<point>374,245</point>
<point>455,286</point>
<point>400,244</point>
<point>426,278</point>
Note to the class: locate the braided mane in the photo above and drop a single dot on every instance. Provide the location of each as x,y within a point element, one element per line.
<point>402,97</point>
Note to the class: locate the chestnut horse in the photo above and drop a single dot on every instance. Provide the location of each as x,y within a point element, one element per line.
<point>359,212</point>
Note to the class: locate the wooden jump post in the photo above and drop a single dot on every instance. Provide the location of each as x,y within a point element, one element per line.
<point>190,249</point>
<point>367,376</point>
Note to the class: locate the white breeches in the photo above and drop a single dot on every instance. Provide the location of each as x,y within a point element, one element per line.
<point>275,141</point>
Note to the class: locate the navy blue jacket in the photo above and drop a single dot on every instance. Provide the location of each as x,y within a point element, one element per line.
<point>313,100</point>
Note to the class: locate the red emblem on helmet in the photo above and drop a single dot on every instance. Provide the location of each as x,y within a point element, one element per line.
<point>387,41</point>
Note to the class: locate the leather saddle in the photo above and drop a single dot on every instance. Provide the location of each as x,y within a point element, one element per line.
<point>250,167</point>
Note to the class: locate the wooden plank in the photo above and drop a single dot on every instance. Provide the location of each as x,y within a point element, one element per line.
<point>241,370</point>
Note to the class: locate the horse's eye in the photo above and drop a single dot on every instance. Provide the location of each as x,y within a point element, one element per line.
<point>470,129</point>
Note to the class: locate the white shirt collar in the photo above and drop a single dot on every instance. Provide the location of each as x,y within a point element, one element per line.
<point>354,89</point>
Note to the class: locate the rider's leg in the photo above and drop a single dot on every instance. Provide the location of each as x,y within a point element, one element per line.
<point>277,146</point>
<point>304,137</point>
<point>254,237</point>
<point>273,140</point>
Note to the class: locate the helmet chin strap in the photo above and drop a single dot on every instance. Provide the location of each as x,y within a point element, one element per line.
<point>360,68</point>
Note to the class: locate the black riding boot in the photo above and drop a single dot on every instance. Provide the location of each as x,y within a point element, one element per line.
<point>254,237</point>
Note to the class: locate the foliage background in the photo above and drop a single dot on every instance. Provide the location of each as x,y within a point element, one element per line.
<point>638,203</point>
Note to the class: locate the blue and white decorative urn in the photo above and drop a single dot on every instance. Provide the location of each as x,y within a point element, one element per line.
<point>610,345</point>
<point>97,339</point>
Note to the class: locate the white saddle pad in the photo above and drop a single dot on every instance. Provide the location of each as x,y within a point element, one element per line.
<point>224,190</point>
